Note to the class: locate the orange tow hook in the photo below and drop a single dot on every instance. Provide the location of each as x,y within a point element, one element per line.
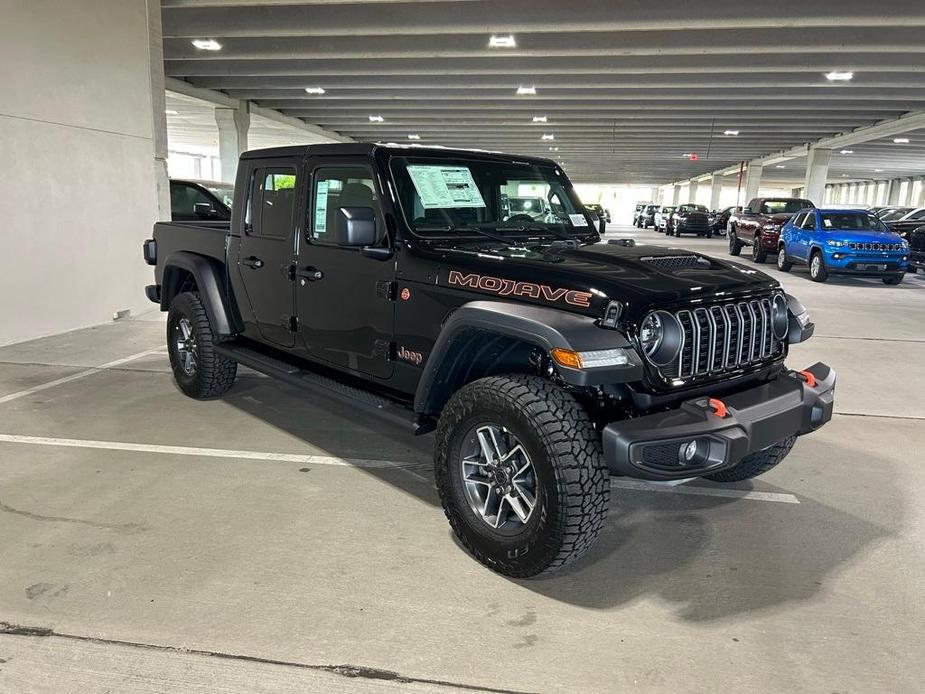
<point>719,407</point>
<point>810,379</point>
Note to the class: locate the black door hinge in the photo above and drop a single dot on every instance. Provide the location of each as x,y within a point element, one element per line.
<point>383,349</point>
<point>292,322</point>
<point>386,290</point>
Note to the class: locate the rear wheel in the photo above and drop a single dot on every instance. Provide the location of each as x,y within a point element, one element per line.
<point>199,371</point>
<point>735,246</point>
<point>817,271</point>
<point>755,464</point>
<point>783,264</point>
<point>521,474</point>
<point>759,255</point>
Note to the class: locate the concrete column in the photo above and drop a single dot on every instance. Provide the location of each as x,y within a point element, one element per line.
<point>892,192</point>
<point>716,189</point>
<point>920,198</point>
<point>233,124</point>
<point>752,181</point>
<point>158,106</point>
<point>676,196</point>
<point>692,191</point>
<point>817,171</point>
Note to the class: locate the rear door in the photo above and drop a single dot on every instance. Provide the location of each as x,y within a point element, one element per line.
<point>267,249</point>
<point>346,311</point>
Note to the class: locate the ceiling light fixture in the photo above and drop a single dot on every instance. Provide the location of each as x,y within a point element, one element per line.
<point>839,76</point>
<point>170,112</point>
<point>730,132</point>
<point>414,137</point>
<point>505,41</point>
<point>526,91</point>
<point>549,136</point>
<point>540,119</point>
<point>878,170</point>
<point>846,151</point>
<point>207,44</point>
<point>901,140</point>
<point>780,166</point>
<point>314,90</point>
<point>376,119</point>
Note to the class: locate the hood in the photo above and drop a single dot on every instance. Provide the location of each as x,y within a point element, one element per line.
<point>640,276</point>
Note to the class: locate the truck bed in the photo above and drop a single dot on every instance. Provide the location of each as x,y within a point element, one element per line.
<point>204,238</point>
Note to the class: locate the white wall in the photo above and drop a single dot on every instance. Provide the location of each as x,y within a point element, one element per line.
<point>76,163</point>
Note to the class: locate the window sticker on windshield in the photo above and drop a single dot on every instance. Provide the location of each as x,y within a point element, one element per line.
<point>445,186</point>
<point>321,207</point>
<point>827,221</point>
<point>578,220</point>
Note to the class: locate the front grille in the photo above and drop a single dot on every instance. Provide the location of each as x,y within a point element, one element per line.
<point>724,337</point>
<point>676,262</point>
<point>875,246</point>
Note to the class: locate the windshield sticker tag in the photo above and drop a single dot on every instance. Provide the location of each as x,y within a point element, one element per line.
<point>321,207</point>
<point>445,186</point>
<point>578,220</point>
<point>827,222</point>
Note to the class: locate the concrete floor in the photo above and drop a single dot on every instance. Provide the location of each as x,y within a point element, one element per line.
<point>273,542</point>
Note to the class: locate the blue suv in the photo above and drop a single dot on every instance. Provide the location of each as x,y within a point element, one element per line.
<point>849,242</point>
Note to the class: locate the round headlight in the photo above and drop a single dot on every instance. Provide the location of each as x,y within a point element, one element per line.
<point>660,336</point>
<point>780,320</point>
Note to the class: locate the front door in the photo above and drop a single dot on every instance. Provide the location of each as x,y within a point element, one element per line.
<point>346,302</point>
<point>267,251</point>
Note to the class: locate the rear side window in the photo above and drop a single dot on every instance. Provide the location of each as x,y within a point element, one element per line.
<point>348,186</point>
<point>271,207</point>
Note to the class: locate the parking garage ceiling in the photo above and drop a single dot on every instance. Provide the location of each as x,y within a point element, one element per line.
<point>627,89</point>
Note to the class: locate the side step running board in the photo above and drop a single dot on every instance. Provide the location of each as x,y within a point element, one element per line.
<point>303,378</point>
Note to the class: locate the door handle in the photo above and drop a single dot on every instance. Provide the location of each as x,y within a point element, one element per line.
<point>310,274</point>
<point>253,262</point>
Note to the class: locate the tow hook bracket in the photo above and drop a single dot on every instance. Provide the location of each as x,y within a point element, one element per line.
<point>808,377</point>
<point>718,407</point>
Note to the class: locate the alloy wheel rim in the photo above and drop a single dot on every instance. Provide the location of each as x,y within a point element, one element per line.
<point>187,349</point>
<point>781,258</point>
<point>498,476</point>
<point>816,265</point>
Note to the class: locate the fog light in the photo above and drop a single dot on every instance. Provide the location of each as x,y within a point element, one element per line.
<point>689,451</point>
<point>836,256</point>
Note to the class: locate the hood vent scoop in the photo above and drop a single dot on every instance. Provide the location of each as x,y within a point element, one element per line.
<point>676,262</point>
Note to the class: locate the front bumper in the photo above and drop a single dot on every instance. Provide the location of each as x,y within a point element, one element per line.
<point>653,447</point>
<point>854,263</point>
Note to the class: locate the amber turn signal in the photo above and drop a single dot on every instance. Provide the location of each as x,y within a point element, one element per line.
<point>566,357</point>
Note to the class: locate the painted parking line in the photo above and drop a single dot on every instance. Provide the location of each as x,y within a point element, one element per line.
<point>79,375</point>
<point>643,486</point>
<point>419,470</point>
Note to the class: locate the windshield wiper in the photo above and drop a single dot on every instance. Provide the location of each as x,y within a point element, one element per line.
<point>564,235</point>
<point>478,230</point>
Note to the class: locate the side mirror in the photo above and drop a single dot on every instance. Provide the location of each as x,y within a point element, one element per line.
<point>747,210</point>
<point>355,227</point>
<point>203,209</point>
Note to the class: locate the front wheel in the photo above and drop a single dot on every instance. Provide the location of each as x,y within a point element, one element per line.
<point>817,271</point>
<point>735,246</point>
<point>893,279</point>
<point>759,255</point>
<point>755,464</point>
<point>199,371</point>
<point>783,264</point>
<point>521,474</point>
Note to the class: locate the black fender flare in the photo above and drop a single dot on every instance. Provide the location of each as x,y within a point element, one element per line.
<point>209,275</point>
<point>546,328</point>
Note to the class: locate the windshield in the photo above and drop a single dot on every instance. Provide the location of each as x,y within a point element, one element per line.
<point>457,194</point>
<point>891,215</point>
<point>851,221</point>
<point>692,208</point>
<point>784,206</point>
<point>223,193</point>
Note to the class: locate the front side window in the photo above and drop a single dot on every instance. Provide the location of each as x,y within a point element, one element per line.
<point>183,199</point>
<point>458,195</point>
<point>851,221</point>
<point>271,206</point>
<point>337,187</point>
<point>809,221</point>
<point>920,214</point>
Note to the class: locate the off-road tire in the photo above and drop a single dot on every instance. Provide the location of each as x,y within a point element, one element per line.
<point>755,464</point>
<point>817,273</point>
<point>783,264</point>
<point>573,484</point>
<point>735,246</point>
<point>214,373</point>
<point>759,255</point>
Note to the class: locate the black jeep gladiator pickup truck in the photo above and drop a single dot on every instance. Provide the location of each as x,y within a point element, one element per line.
<point>545,360</point>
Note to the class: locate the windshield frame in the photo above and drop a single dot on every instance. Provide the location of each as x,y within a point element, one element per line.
<point>551,172</point>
